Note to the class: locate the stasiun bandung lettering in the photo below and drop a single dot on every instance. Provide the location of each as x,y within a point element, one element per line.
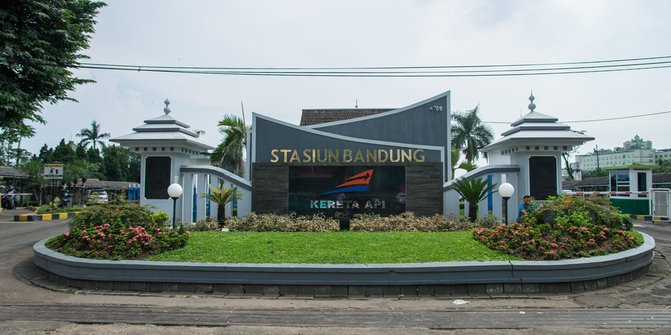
<point>397,155</point>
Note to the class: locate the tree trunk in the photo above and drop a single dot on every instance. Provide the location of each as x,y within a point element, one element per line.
<point>472,212</point>
<point>221,214</point>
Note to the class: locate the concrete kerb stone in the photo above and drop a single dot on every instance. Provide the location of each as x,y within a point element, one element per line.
<point>439,280</point>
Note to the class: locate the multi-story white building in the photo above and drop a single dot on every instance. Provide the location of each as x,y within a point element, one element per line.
<point>633,152</point>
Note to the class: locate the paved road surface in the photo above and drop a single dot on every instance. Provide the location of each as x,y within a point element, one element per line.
<point>642,306</point>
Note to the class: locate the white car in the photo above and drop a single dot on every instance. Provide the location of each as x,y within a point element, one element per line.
<point>96,196</point>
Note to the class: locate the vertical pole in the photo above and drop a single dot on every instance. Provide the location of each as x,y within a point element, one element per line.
<point>174,211</point>
<point>505,210</point>
<point>53,203</point>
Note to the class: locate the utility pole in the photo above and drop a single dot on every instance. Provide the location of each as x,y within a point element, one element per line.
<point>598,166</point>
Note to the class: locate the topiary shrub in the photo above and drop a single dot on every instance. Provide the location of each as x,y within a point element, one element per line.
<point>123,231</point>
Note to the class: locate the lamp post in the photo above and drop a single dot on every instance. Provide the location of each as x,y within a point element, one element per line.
<point>506,190</point>
<point>174,191</point>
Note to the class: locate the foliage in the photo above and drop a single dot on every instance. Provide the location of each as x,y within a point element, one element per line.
<point>470,134</point>
<point>282,223</point>
<point>205,225</point>
<point>598,209</point>
<point>229,153</point>
<point>118,232</point>
<point>565,227</point>
<point>49,209</point>
<point>40,41</point>
<point>221,196</point>
<point>332,248</point>
<point>472,190</point>
<point>409,222</point>
<point>92,136</point>
<point>571,237</point>
<point>120,164</point>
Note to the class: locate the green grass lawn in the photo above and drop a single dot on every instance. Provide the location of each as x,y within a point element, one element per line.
<point>332,248</point>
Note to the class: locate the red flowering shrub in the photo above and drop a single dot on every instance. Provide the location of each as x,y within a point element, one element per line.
<point>571,236</point>
<point>118,232</point>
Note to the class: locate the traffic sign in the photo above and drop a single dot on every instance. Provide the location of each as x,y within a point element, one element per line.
<point>53,171</point>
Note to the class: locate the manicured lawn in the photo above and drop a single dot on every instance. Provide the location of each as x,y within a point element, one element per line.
<point>332,248</point>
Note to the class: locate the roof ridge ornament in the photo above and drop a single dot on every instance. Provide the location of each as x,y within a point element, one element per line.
<point>532,105</point>
<point>166,110</point>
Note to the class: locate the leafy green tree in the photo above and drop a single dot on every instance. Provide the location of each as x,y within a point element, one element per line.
<point>35,171</point>
<point>229,153</point>
<point>64,153</point>
<point>221,196</point>
<point>470,134</point>
<point>92,135</point>
<point>45,154</point>
<point>119,163</point>
<point>40,41</point>
<point>473,190</point>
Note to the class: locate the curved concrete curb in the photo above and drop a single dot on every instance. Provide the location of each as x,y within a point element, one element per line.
<point>496,277</point>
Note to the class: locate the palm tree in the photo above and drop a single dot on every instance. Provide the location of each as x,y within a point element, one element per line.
<point>222,195</point>
<point>470,134</point>
<point>228,153</point>
<point>473,190</point>
<point>92,135</point>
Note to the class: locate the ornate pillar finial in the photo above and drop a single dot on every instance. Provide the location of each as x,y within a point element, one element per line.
<point>166,110</point>
<point>532,105</point>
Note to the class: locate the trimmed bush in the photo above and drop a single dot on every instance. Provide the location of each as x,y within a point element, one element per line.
<point>123,231</point>
<point>409,222</point>
<point>282,223</point>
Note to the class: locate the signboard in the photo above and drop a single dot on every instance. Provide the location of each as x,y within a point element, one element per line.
<point>346,190</point>
<point>53,171</point>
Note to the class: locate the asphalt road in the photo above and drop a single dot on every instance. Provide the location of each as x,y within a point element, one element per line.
<point>641,306</point>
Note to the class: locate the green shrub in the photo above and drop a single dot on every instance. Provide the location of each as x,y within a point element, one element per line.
<point>204,225</point>
<point>564,227</point>
<point>282,223</point>
<point>118,232</point>
<point>409,222</point>
<point>599,210</point>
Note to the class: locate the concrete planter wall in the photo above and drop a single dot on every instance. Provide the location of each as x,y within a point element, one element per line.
<point>499,276</point>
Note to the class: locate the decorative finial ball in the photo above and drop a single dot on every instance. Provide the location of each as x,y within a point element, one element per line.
<point>532,106</point>
<point>531,97</point>
<point>166,110</point>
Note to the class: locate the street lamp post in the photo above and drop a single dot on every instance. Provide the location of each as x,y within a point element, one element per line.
<point>174,191</point>
<point>506,190</point>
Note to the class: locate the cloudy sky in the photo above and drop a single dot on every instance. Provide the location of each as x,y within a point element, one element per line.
<point>346,33</point>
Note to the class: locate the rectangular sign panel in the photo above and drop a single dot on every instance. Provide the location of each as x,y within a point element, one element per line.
<point>346,190</point>
<point>53,171</point>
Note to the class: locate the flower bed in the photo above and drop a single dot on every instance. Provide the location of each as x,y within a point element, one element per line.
<point>118,232</point>
<point>566,227</point>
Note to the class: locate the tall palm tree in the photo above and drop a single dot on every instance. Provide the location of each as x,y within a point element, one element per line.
<point>473,190</point>
<point>92,135</point>
<point>470,134</point>
<point>222,195</point>
<point>229,153</point>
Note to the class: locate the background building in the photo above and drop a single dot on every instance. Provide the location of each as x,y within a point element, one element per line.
<point>633,152</point>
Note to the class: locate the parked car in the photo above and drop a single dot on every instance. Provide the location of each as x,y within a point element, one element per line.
<point>96,196</point>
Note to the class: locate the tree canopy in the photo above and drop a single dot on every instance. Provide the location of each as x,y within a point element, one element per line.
<point>470,134</point>
<point>92,135</point>
<point>229,153</point>
<point>40,42</point>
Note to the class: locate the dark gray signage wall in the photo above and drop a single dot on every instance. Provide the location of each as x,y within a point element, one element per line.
<point>424,190</point>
